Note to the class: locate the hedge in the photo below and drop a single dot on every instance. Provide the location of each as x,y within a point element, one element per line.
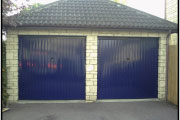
<point>4,76</point>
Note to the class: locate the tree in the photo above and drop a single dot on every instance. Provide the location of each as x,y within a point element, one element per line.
<point>30,7</point>
<point>9,7</point>
<point>10,11</point>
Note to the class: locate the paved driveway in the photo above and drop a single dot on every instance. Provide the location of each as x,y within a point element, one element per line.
<point>92,111</point>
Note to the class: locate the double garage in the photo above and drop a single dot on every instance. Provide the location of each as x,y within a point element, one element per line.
<point>53,67</point>
<point>87,50</point>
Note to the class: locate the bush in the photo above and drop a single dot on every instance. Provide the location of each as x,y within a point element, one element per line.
<point>4,76</point>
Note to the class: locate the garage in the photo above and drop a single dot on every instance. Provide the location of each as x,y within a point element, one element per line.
<point>87,50</point>
<point>51,68</point>
<point>127,67</point>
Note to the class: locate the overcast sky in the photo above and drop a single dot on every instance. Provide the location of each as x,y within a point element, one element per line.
<point>154,7</point>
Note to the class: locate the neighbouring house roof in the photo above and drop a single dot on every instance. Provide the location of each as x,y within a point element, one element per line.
<point>91,14</point>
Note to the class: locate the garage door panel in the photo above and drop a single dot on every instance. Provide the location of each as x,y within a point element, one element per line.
<point>127,68</point>
<point>51,68</point>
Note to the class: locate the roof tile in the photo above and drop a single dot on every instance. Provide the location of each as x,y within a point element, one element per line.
<point>92,13</point>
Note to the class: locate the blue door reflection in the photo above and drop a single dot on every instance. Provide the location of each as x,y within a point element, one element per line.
<point>51,68</point>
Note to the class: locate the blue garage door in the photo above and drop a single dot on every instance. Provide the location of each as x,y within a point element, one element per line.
<point>51,68</point>
<point>127,68</point>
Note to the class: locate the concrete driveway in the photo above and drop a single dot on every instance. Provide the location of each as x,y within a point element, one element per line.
<point>93,111</point>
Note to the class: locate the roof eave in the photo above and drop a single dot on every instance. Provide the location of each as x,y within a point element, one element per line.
<point>91,27</point>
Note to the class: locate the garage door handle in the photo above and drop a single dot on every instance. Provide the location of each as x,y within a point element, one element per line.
<point>51,59</point>
<point>127,58</point>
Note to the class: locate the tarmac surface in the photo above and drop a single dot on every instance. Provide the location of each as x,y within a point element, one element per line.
<point>155,110</point>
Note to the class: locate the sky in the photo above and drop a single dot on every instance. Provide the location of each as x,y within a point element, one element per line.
<point>154,7</point>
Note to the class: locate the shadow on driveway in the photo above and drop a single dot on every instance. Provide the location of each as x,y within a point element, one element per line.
<point>93,111</point>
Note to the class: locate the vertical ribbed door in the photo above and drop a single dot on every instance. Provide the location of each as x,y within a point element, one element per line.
<point>51,68</point>
<point>127,68</point>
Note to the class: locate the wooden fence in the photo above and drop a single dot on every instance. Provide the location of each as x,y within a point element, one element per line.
<point>173,74</point>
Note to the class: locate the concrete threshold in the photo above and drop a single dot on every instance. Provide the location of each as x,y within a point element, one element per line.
<point>128,100</point>
<point>84,101</point>
<point>50,101</point>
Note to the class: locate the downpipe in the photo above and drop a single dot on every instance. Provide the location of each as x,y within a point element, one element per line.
<point>167,61</point>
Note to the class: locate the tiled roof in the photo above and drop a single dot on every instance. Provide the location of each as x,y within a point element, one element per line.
<point>92,14</point>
